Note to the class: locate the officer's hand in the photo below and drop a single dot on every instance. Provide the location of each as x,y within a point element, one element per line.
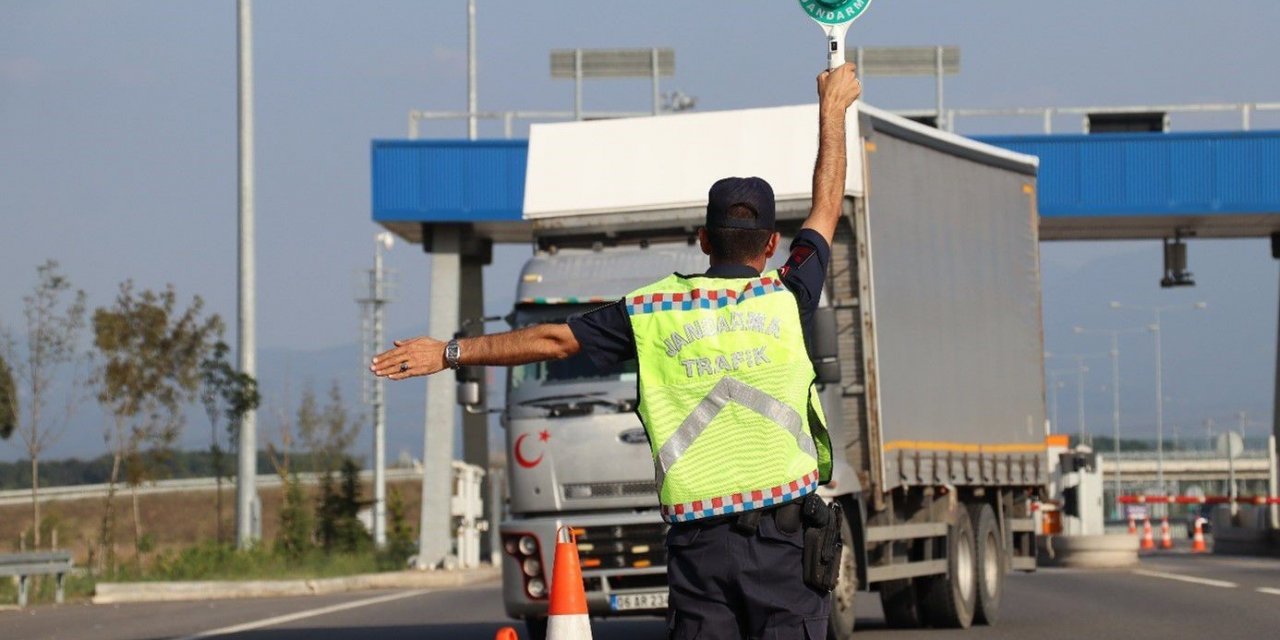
<point>839,87</point>
<point>414,357</point>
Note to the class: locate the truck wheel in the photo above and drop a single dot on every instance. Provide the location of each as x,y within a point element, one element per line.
<point>991,563</point>
<point>901,604</point>
<point>536,628</point>
<point>949,600</point>
<point>840,625</point>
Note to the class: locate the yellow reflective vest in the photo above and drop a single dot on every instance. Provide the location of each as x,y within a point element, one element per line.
<point>727,395</point>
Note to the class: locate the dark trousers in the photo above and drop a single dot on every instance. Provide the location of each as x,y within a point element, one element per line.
<point>727,584</point>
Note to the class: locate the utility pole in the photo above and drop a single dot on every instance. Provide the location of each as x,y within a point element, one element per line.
<point>373,303</point>
<point>1115,412</point>
<point>1080,426</point>
<point>1115,394</point>
<point>246,348</point>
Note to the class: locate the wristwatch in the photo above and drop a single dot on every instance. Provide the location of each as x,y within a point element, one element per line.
<point>451,353</point>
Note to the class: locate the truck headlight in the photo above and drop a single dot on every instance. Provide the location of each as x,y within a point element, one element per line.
<point>531,567</point>
<point>528,545</point>
<point>536,588</point>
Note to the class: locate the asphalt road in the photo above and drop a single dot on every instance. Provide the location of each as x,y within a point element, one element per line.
<point>1169,596</point>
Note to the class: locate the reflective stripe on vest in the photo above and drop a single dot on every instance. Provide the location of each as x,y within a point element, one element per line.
<point>726,394</point>
<point>726,391</point>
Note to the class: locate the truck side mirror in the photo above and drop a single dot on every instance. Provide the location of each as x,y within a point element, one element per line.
<point>825,347</point>
<point>471,395</point>
<point>471,388</point>
<point>470,385</point>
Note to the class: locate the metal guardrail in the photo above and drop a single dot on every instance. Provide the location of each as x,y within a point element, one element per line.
<point>81,492</point>
<point>1253,454</point>
<point>1246,110</point>
<point>509,118</point>
<point>24,565</point>
<point>1046,115</point>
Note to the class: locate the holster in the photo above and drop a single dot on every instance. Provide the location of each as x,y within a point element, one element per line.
<point>822,542</point>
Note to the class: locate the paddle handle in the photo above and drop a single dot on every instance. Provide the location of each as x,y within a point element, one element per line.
<point>835,52</point>
<point>835,44</point>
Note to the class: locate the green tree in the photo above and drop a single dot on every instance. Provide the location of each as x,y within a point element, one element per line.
<point>225,393</point>
<point>339,527</point>
<point>401,541</point>
<point>328,510</point>
<point>150,351</point>
<point>9,408</point>
<point>295,522</point>
<point>55,317</point>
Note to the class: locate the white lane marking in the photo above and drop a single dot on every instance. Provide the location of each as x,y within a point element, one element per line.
<point>1269,591</point>
<point>1222,584</point>
<point>311,613</point>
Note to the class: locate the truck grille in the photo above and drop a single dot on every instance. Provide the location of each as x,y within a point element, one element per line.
<point>584,490</point>
<point>637,546</point>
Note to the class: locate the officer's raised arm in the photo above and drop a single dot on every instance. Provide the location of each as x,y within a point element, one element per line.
<point>837,91</point>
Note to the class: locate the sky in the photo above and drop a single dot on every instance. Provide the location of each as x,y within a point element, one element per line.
<point>118,141</point>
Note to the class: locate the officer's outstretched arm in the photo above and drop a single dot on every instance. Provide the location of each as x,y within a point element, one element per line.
<point>425,356</point>
<point>837,91</point>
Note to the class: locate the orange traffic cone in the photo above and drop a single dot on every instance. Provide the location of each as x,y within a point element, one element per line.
<point>1133,528</point>
<point>1197,543</point>
<point>1166,538</point>
<point>567,616</point>
<point>1148,542</point>
<point>507,633</point>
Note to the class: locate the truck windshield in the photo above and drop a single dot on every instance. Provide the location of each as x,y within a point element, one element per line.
<point>576,370</point>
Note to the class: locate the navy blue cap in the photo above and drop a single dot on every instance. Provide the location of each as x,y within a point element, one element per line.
<point>753,193</point>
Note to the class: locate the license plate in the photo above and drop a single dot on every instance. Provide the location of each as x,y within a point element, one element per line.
<point>633,601</point>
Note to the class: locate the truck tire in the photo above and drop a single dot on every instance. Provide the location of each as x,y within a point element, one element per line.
<point>991,563</point>
<point>841,623</point>
<point>948,601</point>
<point>536,628</point>
<point>901,604</point>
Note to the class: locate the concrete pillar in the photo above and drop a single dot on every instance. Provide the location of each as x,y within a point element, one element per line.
<point>475,427</point>
<point>457,295</point>
<point>1275,412</point>
<point>435,533</point>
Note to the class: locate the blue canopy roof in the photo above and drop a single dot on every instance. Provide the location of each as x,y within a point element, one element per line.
<point>1135,186</point>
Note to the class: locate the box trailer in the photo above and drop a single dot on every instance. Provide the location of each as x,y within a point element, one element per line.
<point>929,342</point>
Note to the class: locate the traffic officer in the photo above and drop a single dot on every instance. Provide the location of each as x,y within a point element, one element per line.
<point>726,396</point>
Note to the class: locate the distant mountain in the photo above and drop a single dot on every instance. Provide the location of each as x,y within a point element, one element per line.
<point>1218,361</point>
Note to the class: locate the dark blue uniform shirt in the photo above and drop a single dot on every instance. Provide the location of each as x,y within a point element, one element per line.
<point>605,333</point>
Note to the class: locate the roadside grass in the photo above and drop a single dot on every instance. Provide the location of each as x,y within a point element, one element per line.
<point>172,522</point>
<point>223,562</point>
<point>209,561</point>
<point>77,587</point>
<point>179,530</point>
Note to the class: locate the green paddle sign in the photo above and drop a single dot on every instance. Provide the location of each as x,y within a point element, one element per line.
<point>835,16</point>
<point>835,11</point>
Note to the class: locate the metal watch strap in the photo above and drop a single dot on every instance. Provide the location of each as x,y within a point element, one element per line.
<point>451,354</point>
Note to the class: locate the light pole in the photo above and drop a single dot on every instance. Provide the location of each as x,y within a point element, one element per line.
<point>248,513</point>
<point>1054,386</point>
<point>1115,393</point>
<point>1155,330</point>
